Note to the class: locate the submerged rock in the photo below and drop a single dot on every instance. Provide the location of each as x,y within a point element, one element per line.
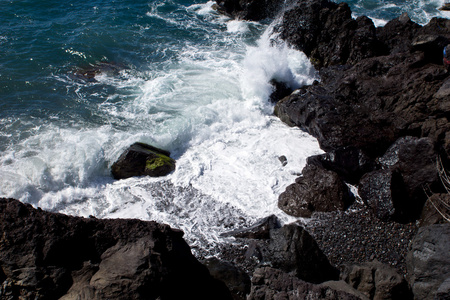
<point>88,73</point>
<point>143,160</point>
<point>46,255</point>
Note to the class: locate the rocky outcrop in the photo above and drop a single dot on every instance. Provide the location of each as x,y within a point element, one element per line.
<point>367,100</point>
<point>253,10</point>
<point>270,283</point>
<point>45,255</point>
<point>382,91</point>
<point>377,281</point>
<point>326,32</point>
<point>397,190</point>
<point>289,248</point>
<point>143,160</point>
<point>317,189</point>
<point>428,261</point>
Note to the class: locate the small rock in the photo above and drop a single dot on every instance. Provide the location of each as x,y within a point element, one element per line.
<point>143,160</point>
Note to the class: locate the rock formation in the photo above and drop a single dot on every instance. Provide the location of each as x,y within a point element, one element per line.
<point>429,261</point>
<point>45,255</point>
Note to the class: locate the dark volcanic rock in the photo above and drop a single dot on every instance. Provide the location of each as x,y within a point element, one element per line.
<point>260,230</point>
<point>327,33</point>
<point>433,210</point>
<point>397,191</point>
<point>379,189</point>
<point>392,86</point>
<point>269,283</point>
<point>443,292</point>
<point>292,249</point>
<point>141,159</point>
<point>252,10</point>
<point>317,190</point>
<point>237,280</point>
<point>428,261</point>
<point>370,105</point>
<point>280,90</point>
<point>349,163</point>
<point>289,248</point>
<point>377,281</point>
<point>50,256</point>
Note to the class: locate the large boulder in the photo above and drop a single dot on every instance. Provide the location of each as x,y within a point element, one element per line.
<point>428,261</point>
<point>270,283</point>
<point>377,281</point>
<point>292,249</point>
<point>289,248</point>
<point>46,255</point>
<point>316,190</point>
<point>143,160</point>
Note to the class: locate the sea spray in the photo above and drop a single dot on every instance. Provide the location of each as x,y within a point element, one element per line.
<point>205,102</point>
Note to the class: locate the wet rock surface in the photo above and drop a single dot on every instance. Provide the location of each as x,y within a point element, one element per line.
<point>317,189</point>
<point>143,160</point>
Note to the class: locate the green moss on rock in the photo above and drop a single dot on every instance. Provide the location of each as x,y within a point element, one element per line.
<point>159,161</point>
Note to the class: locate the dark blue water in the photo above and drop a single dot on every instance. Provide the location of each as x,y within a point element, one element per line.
<point>82,80</point>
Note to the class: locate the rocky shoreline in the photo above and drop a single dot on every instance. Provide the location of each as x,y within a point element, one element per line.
<point>380,111</point>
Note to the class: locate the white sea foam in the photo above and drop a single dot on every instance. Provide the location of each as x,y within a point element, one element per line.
<point>235,26</point>
<point>420,11</point>
<point>209,108</point>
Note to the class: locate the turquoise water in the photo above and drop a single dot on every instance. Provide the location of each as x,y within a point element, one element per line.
<point>82,80</point>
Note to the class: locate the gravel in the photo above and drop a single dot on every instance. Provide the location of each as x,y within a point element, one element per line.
<point>357,236</point>
<point>346,237</point>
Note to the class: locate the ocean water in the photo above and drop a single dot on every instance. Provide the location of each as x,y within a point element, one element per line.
<point>80,81</point>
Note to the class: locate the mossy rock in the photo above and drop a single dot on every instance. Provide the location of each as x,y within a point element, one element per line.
<point>143,160</point>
